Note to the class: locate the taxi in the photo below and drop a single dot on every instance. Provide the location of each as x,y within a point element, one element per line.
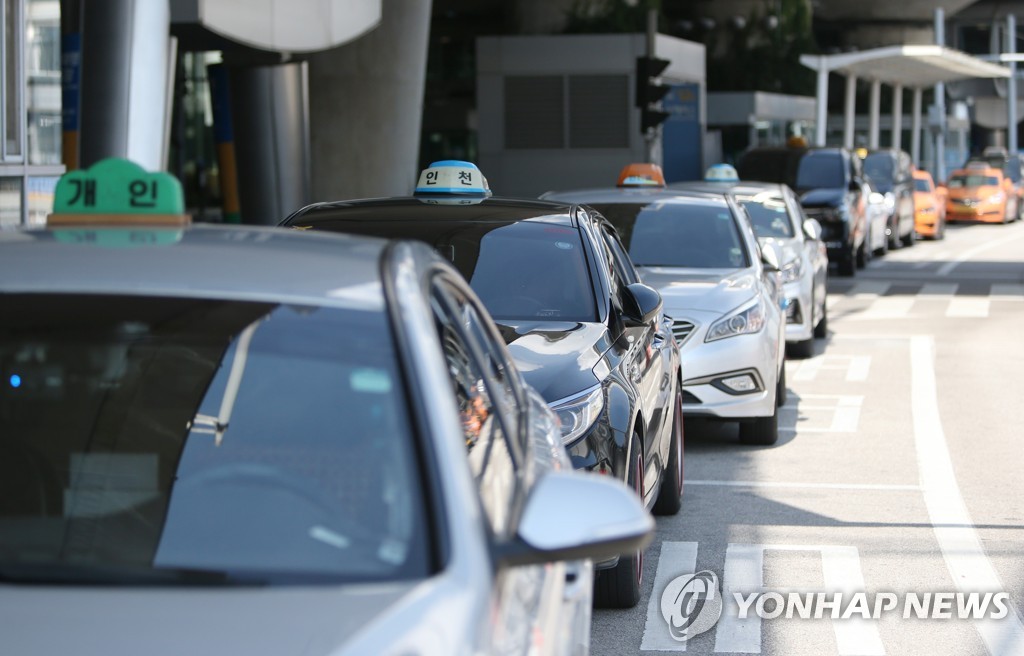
<point>779,220</point>
<point>720,287</point>
<point>929,208</point>
<point>244,440</point>
<point>580,326</point>
<point>979,193</point>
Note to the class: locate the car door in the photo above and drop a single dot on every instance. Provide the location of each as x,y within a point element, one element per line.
<point>528,600</point>
<point>646,360</point>
<point>814,251</point>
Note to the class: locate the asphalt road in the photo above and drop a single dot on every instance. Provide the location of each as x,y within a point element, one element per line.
<point>898,471</point>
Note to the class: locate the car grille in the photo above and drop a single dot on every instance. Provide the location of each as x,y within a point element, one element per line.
<point>682,330</point>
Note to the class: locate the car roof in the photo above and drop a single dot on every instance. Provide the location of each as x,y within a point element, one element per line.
<point>742,187</point>
<point>634,195</point>
<point>203,261</point>
<point>496,209</point>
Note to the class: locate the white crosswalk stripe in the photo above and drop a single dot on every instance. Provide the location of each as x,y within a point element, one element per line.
<point>872,304</point>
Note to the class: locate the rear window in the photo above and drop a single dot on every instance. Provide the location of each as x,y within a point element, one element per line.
<point>961,181</point>
<point>880,168</point>
<point>176,441</point>
<point>768,215</point>
<point>818,171</point>
<point>671,234</point>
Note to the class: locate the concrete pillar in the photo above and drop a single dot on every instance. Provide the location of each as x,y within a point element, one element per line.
<point>897,116</point>
<point>915,127</point>
<point>821,115</point>
<point>126,81</point>
<point>873,113</point>
<point>366,107</point>
<point>1011,85</point>
<point>940,103</point>
<point>850,111</point>
<point>270,118</point>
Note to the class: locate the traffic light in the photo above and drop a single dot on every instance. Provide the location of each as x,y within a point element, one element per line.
<point>649,91</point>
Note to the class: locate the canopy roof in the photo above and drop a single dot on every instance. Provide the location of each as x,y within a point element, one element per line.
<point>910,66</point>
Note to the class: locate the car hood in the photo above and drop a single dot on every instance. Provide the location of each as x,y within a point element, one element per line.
<point>557,358</point>
<point>827,197</point>
<point>708,290</point>
<point>283,621</point>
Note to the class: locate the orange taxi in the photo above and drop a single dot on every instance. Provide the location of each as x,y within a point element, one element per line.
<point>929,207</point>
<point>979,193</point>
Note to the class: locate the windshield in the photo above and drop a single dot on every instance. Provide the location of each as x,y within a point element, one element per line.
<point>960,181</point>
<point>818,171</point>
<point>921,185</point>
<point>164,440</point>
<point>768,215</point>
<point>521,270</point>
<point>879,167</point>
<point>678,234</point>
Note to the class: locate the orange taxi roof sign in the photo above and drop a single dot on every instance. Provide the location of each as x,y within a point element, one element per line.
<point>641,175</point>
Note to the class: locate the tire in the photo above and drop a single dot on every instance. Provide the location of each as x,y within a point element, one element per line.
<point>821,330</point>
<point>940,232</point>
<point>846,265</point>
<point>911,238</point>
<point>894,235</point>
<point>670,496</point>
<point>619,587</point>
<point>762,431</point>
<point>781,393</point>
<point>863,254</point>
<point>803,349</point>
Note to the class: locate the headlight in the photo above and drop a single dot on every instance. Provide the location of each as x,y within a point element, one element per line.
<point>749,319</point>
<point>578,414</point>
<point>793,270</point>
<point>997,198</point>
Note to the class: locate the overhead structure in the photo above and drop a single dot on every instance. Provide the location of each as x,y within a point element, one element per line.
<point>911,66</point>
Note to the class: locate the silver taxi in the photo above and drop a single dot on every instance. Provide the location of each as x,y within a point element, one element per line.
<point>700,252</point>
<point>258,441</point>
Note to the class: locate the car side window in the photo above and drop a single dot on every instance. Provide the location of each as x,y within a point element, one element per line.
<point>620,260</point>
<point>486,402</point>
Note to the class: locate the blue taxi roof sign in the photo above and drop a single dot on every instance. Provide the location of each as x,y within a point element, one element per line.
<point>721,173</point>
<point>453,177</point>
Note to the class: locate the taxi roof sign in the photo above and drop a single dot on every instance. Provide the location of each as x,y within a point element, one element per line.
<point>452,176</point>
<point>641,175</point>
<point>116,191</point>
<point>721,173</point>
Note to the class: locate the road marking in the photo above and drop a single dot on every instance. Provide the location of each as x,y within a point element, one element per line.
<point>968,307</point>
<point>946,268</point>
<point>832,300</point>
<point>855,366</point>
<point>676,559</point>
<point>887,307</point>
<point>845,408</point>
<point>942,289</point>
<point>965,556</point>
<point>869,288</point>
<point>744,573</point>
<point>873,487</point>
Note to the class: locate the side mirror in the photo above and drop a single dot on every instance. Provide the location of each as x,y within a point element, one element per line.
<point>770,257</point>
<point>812,229</point>
<point>571,515</point>
<point>640,304</point>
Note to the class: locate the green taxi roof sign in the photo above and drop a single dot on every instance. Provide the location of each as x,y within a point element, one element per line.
<point>118,191</point>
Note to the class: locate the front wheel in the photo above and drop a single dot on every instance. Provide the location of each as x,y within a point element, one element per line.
<point>619,587</point>
<point>670,497</point>
<point>911,238</point>
<point>863,254</point>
